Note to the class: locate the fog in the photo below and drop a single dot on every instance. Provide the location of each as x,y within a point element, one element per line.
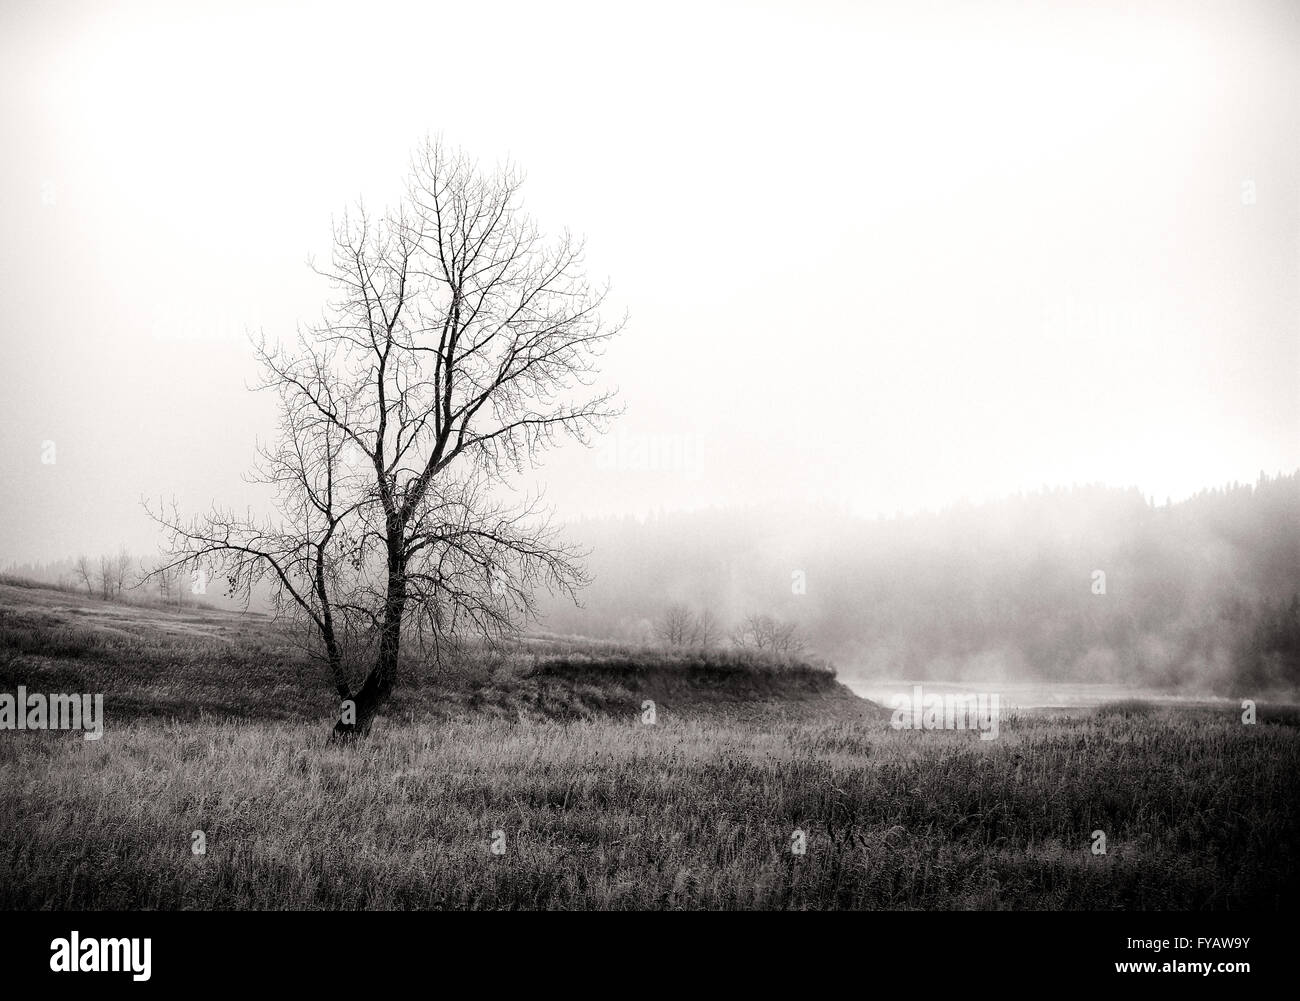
<point>876,259</point>
<point>1085,585</point>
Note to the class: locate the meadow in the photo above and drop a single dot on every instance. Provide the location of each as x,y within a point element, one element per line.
<point>534,780</point>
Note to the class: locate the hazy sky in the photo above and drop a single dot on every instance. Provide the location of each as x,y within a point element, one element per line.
<point>884,255</point>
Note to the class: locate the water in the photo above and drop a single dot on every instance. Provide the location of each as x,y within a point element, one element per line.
<point>1030,694</point>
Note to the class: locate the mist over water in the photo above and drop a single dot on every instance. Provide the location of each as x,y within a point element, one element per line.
<point>1015,695</point>
<point>1085,586</point>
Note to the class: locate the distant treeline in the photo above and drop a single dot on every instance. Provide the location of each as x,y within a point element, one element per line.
<point>118,577</point>
<point>1085,583</point>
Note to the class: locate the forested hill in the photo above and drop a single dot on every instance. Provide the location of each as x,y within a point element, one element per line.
<point>1203,594</point>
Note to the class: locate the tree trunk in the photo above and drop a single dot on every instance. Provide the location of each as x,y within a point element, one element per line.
<point>377,687</point>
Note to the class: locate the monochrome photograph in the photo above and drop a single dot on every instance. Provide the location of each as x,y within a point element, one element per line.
<point>836,457</point>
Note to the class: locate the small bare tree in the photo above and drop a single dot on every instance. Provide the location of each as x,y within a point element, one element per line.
<point>459,345</point>
<point>708,633</point>
<point>106,574</point>
<point>169,583</point>
<point>676,626</point>
<point>83,572</point>
<point>763,632</point>
<point>121,570</point>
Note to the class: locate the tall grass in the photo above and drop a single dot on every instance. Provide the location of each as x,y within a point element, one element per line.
<point>1199,812</point>
<point>218,724</point>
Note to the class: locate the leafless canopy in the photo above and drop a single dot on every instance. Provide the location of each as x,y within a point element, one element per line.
<point>458,345</point>
<point>763,632</point>
<point>679,626</point>
<point>676,626</point>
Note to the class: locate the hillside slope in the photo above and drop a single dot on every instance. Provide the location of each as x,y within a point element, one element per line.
<point>153,662</point>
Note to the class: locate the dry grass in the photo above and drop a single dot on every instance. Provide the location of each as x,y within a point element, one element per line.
<point>600,810</point>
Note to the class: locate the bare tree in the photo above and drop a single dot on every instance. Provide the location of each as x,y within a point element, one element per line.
<point>763,632</point>
<point>459,345</point>
<point>83,572</point>
<point>676,626</point>
<point>708,632</point>
<point>105,578</point>
<point>169,582</point>
<point>121,569</point>
<point>788,639</point>
<point>113,573</point>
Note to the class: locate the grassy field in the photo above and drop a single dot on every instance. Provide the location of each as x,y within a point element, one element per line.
<point>217,724</point>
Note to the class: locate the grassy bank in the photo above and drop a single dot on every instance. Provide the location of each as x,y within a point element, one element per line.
<point>163,664</point>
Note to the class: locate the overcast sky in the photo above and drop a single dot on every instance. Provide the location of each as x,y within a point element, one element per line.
<point>883,255</point>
